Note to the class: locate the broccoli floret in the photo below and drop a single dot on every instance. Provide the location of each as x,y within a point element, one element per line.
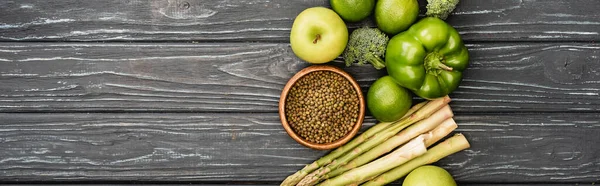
<point>366,45</point>
<point>440,8</point>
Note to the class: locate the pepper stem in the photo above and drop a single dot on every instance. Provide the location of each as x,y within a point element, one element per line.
<point>434,62</point>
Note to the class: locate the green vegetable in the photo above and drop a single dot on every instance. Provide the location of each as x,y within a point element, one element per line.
<point>364,153</point>
<point>440,8</point>
<point>365,141</point>
<point>421,127</point>
<point>450,146</point>
<point>428,58</point>
<point>423,112</point>
<point>366,45</point>
<point>356,176</point>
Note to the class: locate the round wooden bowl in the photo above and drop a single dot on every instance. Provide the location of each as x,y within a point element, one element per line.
<point>298,138</point>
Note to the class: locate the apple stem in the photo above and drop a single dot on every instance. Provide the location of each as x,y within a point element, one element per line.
<point>317,38</point>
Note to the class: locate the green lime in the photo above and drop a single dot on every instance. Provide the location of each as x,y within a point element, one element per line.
<point>353,10</point>
<point>429,175</point>
<point>388,101</point>
<point>395,16</point>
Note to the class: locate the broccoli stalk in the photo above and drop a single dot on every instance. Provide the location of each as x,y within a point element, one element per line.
<point>366,45</point>
<point>440,8</point>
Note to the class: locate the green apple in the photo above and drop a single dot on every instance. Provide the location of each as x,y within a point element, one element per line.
<point>318,35</point>
<point>429,175</point>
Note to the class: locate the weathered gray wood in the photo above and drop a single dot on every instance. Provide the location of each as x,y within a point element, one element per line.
<point>515,148</point>
<point>273,184</point>
<point>206,112</point>
<point>513,20</point>
<point>248,77</point>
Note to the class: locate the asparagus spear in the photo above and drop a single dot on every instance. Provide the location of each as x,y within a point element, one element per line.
<point>408,151</point>
<point>352,160</point>
<point>417,114</point>
<point>452,145</point>
<point>425,112</point>
<point>364,147</point>
<point>440,131</point>
<point>414,109</point>
<point>296,177</point>
<point>430,124</point>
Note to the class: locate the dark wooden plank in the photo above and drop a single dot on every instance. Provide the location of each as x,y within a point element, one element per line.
<point>248,77</point>
<point>511,148</point>
<point>262,184</point>
<point>271,20</point>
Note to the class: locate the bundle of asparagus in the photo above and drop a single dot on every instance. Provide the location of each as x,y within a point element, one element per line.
<point>361,160</point>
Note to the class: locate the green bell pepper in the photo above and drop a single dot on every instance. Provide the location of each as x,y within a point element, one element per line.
<point>428,58</point>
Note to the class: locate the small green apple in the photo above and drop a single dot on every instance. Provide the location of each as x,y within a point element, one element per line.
<point>429,175</point>
<point>318,35</point>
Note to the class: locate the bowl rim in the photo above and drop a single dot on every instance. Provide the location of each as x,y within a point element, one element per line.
<point>298,138</point>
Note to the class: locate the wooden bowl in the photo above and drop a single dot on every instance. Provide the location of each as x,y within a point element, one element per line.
<point>298,138</point>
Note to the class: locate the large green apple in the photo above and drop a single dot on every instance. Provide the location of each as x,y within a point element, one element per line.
<point>429,175</point>
<point>318,35</point>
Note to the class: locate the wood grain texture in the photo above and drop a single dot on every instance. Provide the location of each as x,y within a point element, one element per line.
<point>248,77</point>
<point>515,148</point>
<point>271,20</point>
<point>276,183</point>
<point>195,99</point>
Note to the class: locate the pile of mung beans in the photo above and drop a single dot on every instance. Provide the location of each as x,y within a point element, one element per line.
<point>322,107</point>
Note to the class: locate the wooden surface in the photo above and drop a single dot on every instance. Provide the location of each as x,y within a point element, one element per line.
<point>187,92</point>
<point>249,77</point>
<point>271,20</point>
<point>253,147</point>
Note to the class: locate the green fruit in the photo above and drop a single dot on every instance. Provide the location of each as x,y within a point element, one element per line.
<point>429,175</point>
<point>388,101</point>
<point>353,10</point>
<point>395,16</point>
<point>318,35</point>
